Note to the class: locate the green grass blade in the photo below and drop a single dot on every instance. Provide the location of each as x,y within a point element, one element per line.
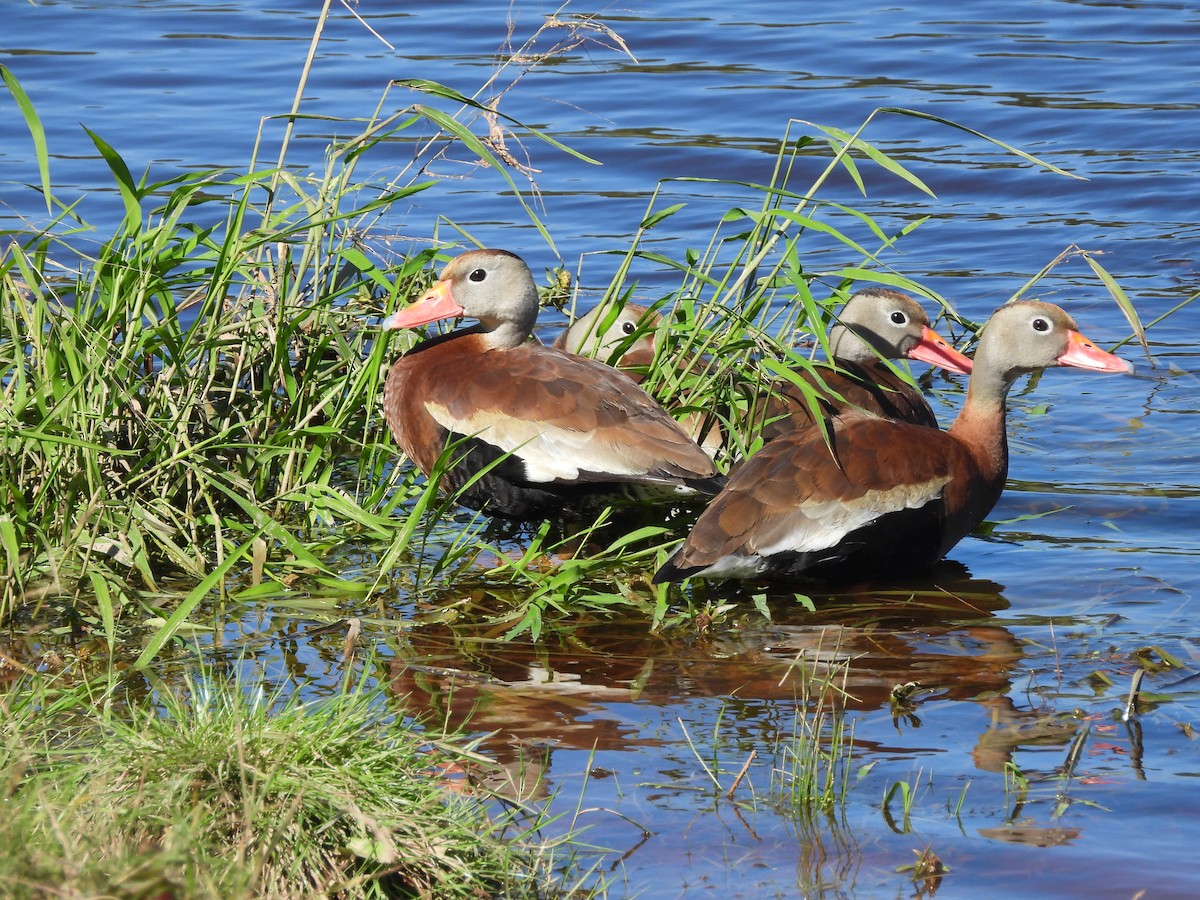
<point>1009,148</point>
<point>36,131</point>
<point>125,183</point>
<point>1123,301</point>
<point>440,90</point>
<point>481,150</point>
<point>216,577</point>
<point>105,602</point>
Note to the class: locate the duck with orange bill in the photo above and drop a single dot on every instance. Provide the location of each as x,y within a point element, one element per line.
<point>528,430</point>
<point>875,325</point>
<point>881,498</point>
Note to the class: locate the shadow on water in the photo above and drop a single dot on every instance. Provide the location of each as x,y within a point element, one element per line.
<point>612,701</point>
<point>615,714</point>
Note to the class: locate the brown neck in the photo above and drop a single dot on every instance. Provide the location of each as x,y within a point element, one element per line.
<point>980,428</point>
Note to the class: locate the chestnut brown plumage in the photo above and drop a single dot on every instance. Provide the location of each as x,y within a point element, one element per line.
<point>876,324</point>
<point>883,497</point>
<point>624,338</point>
<point>558,432</point>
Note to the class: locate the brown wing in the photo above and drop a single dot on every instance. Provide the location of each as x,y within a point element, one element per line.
<point>567,419</point>
<point>799,496</point>
<point>872,388</point>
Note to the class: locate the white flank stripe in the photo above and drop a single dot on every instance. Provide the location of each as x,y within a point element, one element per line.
<point>550,453</point>
<point>819,526</point>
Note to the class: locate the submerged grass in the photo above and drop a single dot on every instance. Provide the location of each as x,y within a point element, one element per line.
<point>812,771</point>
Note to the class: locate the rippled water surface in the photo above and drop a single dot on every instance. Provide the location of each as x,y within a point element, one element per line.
<point>1024,644</point>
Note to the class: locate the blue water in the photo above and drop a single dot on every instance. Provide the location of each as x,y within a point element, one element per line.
<point>1107,91</point>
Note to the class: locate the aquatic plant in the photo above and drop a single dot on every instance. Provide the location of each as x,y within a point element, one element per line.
<point>196,396</point>
<point>812,771</point>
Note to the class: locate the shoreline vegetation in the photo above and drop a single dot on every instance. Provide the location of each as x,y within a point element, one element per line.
<point>191,418</point>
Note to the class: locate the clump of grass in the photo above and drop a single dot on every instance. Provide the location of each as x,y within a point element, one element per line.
<point>179,399</point>
<point>812,765</point>
<point>222,790</point>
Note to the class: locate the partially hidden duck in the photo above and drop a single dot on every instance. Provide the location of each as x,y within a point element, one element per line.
<point>540,431</point>
<point>625,338</point>
<point>883,497</point>
<point>876,324</point>
<point>603,331</point>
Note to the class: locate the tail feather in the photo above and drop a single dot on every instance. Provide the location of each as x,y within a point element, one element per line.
<point>712,485</point>
<point>670,572</point>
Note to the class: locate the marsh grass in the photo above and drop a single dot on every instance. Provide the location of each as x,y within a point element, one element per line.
<point>217,788</point>
<point>191,391</point>
<point>907,794</point>
<point>812,768</point>
<point>198,394</point>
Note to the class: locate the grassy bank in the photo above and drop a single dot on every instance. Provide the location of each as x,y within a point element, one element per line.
<point>213,788</point>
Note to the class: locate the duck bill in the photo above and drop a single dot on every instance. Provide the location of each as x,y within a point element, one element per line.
<point>1083,354</point>
<point>436,303</point>
<point>936,350</point>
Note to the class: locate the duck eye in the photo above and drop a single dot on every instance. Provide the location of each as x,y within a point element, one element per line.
<point>478,275</point>
<point>1040,324</point>
<point>899,318</point>
<point>628,327</point>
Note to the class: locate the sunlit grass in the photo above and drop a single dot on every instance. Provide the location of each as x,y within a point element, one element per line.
<point>812,771</point>
<point>216,788</point>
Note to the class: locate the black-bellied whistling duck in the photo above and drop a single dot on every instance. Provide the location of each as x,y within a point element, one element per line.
<point>612,342</point>
<point>875,324</point>
<point>883,497</point>
<point>563,432</point>
<point>591,335</point>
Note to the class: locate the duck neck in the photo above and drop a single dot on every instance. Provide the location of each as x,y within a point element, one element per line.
<point>981,424</point>
<point>501,334</point>
<point>510,331</point>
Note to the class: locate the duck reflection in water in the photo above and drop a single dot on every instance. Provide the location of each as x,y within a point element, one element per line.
<point>617,686</point>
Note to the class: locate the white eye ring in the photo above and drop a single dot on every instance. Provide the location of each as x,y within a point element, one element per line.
<point>628,327</point>
<point>1041,324</point>
<point>898,318</point>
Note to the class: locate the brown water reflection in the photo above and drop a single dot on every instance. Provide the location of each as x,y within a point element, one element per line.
<point>937,636</point>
